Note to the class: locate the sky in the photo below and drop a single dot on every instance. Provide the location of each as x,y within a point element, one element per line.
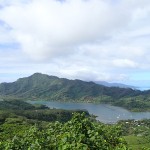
<point>91,40</point>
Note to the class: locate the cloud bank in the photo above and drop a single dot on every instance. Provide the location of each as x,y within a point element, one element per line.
<point>87,39</point>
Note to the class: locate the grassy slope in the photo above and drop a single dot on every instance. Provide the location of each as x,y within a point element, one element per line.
<point>137,143</point>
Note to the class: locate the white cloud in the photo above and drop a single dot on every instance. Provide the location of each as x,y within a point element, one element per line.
<point>124,63</point>
<point>87,39</point>
<point>47,27</point>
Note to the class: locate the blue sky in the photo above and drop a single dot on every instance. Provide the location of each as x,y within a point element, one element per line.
<point>89,40</point>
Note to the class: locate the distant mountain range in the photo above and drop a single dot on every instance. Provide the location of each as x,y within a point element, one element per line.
<point>115,84</point>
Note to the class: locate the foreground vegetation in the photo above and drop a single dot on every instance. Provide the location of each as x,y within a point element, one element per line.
<point>36,127</point>
<point>78,133</point>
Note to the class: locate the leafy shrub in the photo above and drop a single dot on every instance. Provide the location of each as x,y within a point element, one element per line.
<point>80,133</point>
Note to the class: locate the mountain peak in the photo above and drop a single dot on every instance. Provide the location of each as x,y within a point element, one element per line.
<point>37,73</point>
<point>41,75</point>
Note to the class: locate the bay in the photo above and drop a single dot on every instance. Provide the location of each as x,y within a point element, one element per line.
<point>104,112</point>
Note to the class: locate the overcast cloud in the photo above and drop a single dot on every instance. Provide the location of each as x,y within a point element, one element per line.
<point>86,39</point>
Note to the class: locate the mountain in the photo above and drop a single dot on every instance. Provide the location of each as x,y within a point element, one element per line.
<point>114,84</point>
<point>42,86</point>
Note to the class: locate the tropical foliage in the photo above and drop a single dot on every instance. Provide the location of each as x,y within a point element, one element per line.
<point>78,133</point>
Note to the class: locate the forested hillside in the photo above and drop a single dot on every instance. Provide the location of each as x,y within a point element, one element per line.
<point>54,88</point>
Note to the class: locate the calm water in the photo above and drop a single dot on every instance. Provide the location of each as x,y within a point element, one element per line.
<point>104,112</point>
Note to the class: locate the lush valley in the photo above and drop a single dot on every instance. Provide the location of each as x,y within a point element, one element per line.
<point>43,87</point>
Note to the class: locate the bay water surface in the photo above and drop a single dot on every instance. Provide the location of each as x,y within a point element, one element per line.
<point>104,112</point>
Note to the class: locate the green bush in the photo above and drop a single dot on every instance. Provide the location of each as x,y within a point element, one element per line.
<point>80,133</point>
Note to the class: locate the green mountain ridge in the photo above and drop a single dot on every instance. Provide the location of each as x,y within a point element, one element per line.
<point>53,88</point>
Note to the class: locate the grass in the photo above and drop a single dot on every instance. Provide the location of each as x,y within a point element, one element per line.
<point>137,142</point>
